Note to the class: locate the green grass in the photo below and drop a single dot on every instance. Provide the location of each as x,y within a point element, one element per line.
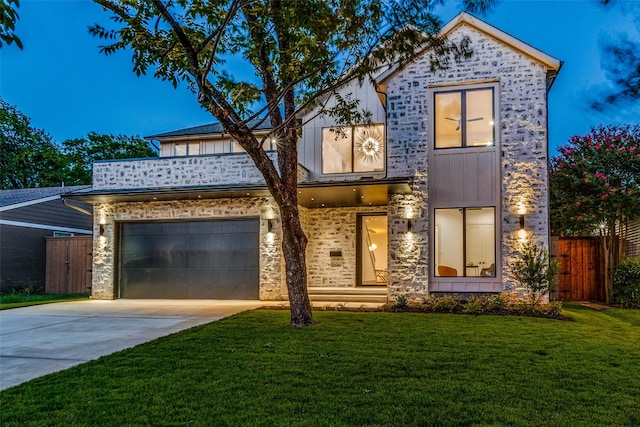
<point>23,300</point>
<point>356,369</point>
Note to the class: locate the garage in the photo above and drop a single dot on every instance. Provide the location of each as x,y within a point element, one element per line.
<point>190,259</point>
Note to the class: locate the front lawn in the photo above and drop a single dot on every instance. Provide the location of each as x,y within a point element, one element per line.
<point>356,369</point>
<point>16,300</point>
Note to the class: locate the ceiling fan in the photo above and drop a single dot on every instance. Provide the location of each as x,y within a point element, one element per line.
<point>469,120</point>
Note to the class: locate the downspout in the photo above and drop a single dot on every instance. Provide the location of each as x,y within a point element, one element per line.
<point>78,208</point>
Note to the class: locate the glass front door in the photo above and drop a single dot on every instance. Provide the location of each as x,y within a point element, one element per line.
<point>372,249</point>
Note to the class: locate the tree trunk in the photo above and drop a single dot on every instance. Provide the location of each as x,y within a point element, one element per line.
<point>294,245</point>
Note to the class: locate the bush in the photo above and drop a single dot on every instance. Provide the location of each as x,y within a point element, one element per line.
<point>534,272</point>
<point>402,301</point>
<point>447,304</point>
<point>626,282</point>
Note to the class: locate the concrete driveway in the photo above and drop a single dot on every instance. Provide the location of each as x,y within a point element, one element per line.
<point>38,340</point>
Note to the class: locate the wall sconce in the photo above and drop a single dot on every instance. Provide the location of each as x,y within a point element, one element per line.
<point>101,230</point>
<point>409,225</point>
<point>521,211</point>
<point>269,226</point>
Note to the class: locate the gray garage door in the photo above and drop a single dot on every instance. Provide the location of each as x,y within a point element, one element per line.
<point>199,259</point>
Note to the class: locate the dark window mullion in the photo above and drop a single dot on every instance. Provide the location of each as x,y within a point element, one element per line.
<point>463,118</point>
<point>464,242</point>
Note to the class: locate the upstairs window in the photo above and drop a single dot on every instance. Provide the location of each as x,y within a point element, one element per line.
<point>353,149</point>
<point>186,149</point>
<point>464,118</point>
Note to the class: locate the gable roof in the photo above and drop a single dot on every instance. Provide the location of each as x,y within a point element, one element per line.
<point>12,199</point>
<point>552,64</point>
<point>208,129</point>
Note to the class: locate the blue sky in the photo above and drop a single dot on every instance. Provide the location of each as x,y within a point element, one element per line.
<point>69,89</point>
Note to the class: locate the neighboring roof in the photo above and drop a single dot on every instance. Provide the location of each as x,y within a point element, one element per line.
<point>552,64</point>
<point>9,198</point>
<point>207,129</point>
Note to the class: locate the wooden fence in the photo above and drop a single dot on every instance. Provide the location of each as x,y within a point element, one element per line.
<point>582,271</point>
<point>69,263</point>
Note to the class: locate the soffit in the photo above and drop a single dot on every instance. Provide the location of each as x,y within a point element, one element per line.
<point>310,195</point>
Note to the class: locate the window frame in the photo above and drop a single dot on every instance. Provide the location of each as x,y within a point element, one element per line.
<point>463,114</point>
<point>465,261</point>
<point>353,149</point>
<point>187,150</point>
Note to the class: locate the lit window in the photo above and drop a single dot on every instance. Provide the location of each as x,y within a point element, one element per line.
<point>465,242</point>
<point>464,118</point>
<point>353,149</point>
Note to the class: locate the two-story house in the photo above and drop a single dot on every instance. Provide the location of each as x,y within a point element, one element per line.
<point>431,198</point>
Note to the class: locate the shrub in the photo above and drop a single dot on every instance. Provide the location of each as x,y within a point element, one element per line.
<point>626,282</point>
<point>402,301</point>
<point>447,303</point>
<point>534,272</point>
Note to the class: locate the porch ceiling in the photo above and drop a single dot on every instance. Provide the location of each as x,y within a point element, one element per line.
<point>311,195</point>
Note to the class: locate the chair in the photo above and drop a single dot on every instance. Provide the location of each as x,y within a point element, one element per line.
<point>445,271</point>
<point>489,271</point>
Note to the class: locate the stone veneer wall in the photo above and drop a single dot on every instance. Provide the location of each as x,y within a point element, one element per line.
<point>522,137</point>
<point>214,169</point>
<point>103,286</point>
<point>333,229</point>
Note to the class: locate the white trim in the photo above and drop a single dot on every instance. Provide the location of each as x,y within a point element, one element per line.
<point>29,203</point>
<point>44,226</point>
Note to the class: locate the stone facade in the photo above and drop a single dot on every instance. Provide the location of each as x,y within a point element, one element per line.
<point>521,138</point>
<point>333,229</point>
<point>192,171</point>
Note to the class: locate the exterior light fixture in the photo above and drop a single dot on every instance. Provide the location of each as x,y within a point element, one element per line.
<point>409,225</point>
<point>521,211</point>
<point>101,230</point>
<point>269,226</point>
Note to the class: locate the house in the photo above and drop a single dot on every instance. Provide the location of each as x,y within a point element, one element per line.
<point>27,217</point>
<point>432,198</point>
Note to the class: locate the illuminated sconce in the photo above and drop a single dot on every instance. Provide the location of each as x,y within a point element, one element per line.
<point>101,230</point>
<point>270,226</point>
<point>521,212</point>
<point>409,225</point>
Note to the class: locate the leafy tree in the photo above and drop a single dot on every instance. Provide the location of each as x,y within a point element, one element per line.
<point>299,52</point>
<point>8,18</point>
<point>621,62</point>
<point>29,157</point>
<point>595,187</point>
<point>80,153</point>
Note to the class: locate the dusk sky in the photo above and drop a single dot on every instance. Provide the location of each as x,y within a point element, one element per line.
<point>69,89</point>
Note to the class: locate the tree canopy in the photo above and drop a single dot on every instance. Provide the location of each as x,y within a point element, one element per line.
<point>8,17</point>
<point>595,187</point>
<point>621,63</point>
<point>297,53</point>
<point>29,157</point>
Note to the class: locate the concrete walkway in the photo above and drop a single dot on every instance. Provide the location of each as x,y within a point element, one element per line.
<point>38,340</point>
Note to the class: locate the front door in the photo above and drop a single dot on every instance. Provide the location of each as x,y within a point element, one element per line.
<point>372,249</point>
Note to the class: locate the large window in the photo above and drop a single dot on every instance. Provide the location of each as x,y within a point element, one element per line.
<point>465,242</point>
<point>353,149</point>
<point>464,118</point>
